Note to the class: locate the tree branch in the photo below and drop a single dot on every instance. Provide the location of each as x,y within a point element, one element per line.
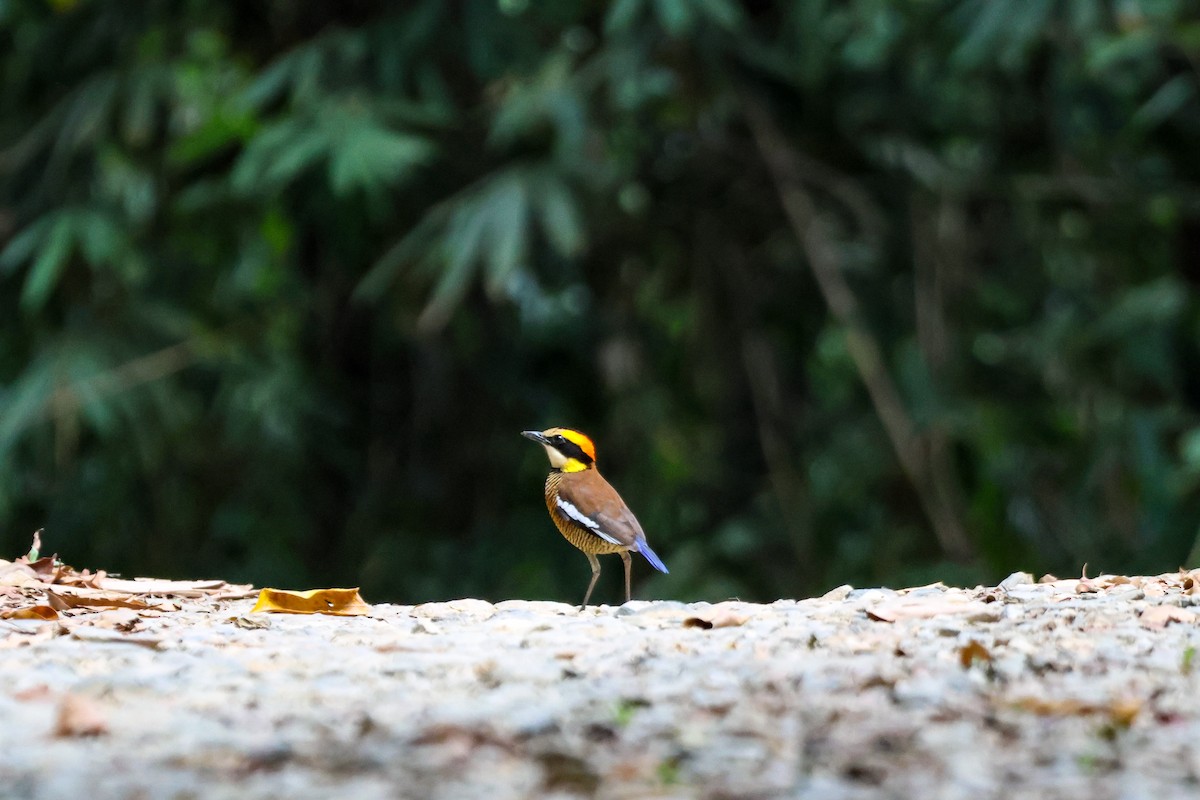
<point>790,173</point>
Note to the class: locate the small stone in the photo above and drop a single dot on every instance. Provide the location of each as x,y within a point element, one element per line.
<point>838,593</point>
<point>1016,579</point>
<point>426,626</point>
<point>537,607</point>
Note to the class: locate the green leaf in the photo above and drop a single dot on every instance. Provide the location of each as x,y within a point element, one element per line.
<point>22,246</point>
<point>1166,102</point>
<point>44,274</point>
<point>371,157</point>
<point>507,206</point>
<point>24,403</point>
<point>622,15</point>
<point>222,129</point>
<point>724,13</point>
<point>677,17</point>
<point>278,155</point>
<point>462,247</point>
<point>99,237</point>
<point>384,271</point>
<point>559,216</point>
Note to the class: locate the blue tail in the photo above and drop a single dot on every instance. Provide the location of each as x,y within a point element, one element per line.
<point>654,560</point>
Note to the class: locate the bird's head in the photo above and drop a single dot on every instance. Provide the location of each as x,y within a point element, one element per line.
<point>568,450</point>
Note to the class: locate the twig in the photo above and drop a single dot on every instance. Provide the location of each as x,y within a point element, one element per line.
<point>790,174</point>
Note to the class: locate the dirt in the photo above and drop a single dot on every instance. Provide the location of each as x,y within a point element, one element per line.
<point>1077,688</point>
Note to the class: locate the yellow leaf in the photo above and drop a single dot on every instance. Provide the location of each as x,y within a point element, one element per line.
<point>29,612</point>
<point>972,652</point>
<point>340,602</point>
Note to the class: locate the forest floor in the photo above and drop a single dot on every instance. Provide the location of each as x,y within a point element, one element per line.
<point>1083,688</point>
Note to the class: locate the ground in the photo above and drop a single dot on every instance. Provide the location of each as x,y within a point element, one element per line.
<point>1077,688</point>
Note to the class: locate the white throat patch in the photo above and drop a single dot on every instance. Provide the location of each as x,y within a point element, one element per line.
<point>557,459</point>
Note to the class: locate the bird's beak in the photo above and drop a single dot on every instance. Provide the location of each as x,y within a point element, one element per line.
<point>535,436</point>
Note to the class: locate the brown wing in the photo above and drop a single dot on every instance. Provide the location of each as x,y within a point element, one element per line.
<point>590,502</point>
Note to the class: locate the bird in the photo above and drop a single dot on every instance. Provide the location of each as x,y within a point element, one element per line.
<point>585,507</point>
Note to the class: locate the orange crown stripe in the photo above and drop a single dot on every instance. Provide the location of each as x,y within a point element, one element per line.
<point>575,437</point>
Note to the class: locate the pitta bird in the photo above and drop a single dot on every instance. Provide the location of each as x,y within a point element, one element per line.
<point>585,508</point>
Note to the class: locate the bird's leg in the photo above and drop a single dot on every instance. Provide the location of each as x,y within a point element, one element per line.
<point>595,562</point>
<point>625,558</point>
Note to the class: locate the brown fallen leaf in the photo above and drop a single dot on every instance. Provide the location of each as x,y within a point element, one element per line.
<point>339,602</point>
<point>927,608</point>
<point>79,716</point>
<point>883,614</point>
<point>29,612</point>
<point>65,597</point>
<point>1122,711</point>
<point>156,586</point>
<point>12,574</point>
<point>118,619</point>
<point>234,591</point>
<point>87,578</point>
<point>973,652</point>
<point>47,568</point>
<point>35,693</point>
<point>86,633</point>
<point>1156,617</point>
<point>1154,588</point>
<point>1190,582</point>
<point>716,618</point>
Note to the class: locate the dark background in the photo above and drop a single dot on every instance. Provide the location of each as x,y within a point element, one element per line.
<point>869,291</point>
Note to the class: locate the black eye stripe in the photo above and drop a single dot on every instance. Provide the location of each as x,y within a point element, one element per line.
<point>571,450</point>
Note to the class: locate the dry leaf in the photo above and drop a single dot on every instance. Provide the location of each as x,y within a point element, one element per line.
<point>1124,711</point>
<point>155,586</point>
<point>65,597</point>
<point>1156,617</point>
<point>972,652</point>
<point>926,608</point>
<point>17,574</point>
<point>86,633</point>
<point>339,602</point>
<point>35,693</point>
<point>1121,711</point>
<point>120,619</point>
<point>234,591</point>
<point>30,612</point>
<point>87,578</point>
<point>48,568</point>
<point>1191,582</point>
<point>717,618</point>
<point>1056,707</point>
<point>910,589</point>
<point>79,716</point>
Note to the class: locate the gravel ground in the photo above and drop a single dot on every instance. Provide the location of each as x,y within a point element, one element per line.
<point>1071,689</point>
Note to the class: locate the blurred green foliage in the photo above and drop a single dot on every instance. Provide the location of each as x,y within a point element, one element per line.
<point>281,282</point>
